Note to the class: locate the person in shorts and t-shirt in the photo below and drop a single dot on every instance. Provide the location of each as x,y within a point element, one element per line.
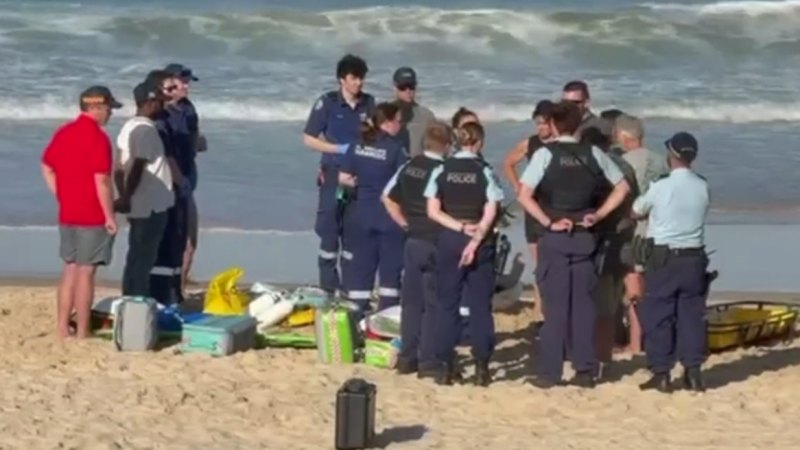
<point>144,182</point>
<point>76,166</point>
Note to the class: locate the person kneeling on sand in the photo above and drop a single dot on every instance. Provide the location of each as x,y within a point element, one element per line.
<point>76,166</point>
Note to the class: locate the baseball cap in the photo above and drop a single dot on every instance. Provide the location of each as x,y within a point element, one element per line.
<point>179,70</point>
<point>146,91</point>
<point>683,145</point>
<point>99,95</point>
<point>405,76</point>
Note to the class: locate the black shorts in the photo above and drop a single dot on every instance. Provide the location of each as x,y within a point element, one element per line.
<point>533,229</point>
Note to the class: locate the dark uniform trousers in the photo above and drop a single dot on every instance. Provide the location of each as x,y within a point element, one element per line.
<point>566,278</point>
<point>673,312</point>
<point>476,283</point>
<point>165,278</point>
<point>328,227</point>
<point>417,323</point>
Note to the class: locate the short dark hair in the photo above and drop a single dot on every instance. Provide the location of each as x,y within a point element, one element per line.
<point>460,114</point>
<point>566,117</point>
<point>593,136</point>
<point>158,76</point>
<point>543,109</point>
<point>577,85</point>
<point>351,65</point>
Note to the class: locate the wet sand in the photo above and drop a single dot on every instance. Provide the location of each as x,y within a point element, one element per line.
<point>87,395</point>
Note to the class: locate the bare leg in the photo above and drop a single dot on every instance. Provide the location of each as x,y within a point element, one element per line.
<point>191,244</point>
<point>634,292</point>
<point>66,299</point>
<point>634,331</point>
<point>84,293</point>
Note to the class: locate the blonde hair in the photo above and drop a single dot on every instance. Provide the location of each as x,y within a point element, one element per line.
<point>470,134</point>
<point>438,136</point>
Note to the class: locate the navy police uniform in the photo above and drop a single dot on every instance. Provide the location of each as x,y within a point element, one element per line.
<point>418,296</point>
<point>165,277</point>
<point>464,184</point>
<point>676,285</point>
<point>339,123</point>
<point>372,240</point>
<point>569,179</point>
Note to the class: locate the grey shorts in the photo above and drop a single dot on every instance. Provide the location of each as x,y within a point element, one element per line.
<point>85,246</point>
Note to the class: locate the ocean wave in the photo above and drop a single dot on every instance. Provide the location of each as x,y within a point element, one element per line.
<point>747,8</point>
<point>50,108</point>
<point>439,32</point>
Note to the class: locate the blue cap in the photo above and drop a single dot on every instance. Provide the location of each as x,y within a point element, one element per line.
<point>683,145</point>
<point>405,76</point>
<point>180,71</point>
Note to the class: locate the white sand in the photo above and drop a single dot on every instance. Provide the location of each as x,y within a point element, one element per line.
<point>86,395</point>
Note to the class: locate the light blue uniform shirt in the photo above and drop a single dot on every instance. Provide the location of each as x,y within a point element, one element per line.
<point>393,181</point>
<point>677,206</point>
<point>493,191</point>
<point>533,174</point>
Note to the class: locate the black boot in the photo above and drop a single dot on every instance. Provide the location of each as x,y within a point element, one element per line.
<point>545,383</point>
<point>482,375</point>
<point>584,380</point>
<point>693,380</point>
<point>405,367</point>
<point>448,374</point>
<point>659,382</point>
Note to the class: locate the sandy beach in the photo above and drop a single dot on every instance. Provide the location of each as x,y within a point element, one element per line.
<point>86,395</point>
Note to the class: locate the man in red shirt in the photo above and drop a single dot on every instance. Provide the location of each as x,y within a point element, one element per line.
<point>76,166</point>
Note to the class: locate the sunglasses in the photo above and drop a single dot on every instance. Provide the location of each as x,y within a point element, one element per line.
<point>407,87</point>
<point>170,88</point>
<point>576,102</point>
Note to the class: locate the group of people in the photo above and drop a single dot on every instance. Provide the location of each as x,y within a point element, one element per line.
<point>153,170</point>
<point>411,200</point>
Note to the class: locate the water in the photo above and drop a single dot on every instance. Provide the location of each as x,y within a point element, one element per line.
<point>725,71</point>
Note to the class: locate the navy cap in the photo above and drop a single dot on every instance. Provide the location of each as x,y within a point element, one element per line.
<point>405,76</point>
<point>146,91</point>
<point>683,145</point>
<point>181,71</point>
<point>99,95</point>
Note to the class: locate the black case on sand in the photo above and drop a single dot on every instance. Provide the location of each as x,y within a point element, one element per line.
<point>355,414</point>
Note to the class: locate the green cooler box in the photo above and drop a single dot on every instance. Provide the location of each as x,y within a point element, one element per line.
<point>219,335</point>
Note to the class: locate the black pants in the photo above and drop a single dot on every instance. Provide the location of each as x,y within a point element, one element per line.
<point>165,277</point>
<point>144,237</point>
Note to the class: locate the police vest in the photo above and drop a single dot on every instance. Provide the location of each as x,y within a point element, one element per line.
<point>413,180</point>
<point>462,188</point>
<point>573,183</point>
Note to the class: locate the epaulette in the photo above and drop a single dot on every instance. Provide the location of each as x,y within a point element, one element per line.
<point>699,176</point>
<point>661,177</point>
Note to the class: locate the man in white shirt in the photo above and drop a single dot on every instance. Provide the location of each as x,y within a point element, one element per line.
<point>144,182</point>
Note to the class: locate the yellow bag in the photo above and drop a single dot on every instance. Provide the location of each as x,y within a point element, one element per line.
<point>222,297</point>
<point>301,318</point>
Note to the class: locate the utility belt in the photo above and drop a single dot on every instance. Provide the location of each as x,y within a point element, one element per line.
<point>657,256</point>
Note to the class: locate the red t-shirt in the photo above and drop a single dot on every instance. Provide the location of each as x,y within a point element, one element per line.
<point>77,152</point>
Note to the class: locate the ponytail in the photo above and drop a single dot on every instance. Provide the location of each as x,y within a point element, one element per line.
<point>460,115</point>
<point>370,128</point>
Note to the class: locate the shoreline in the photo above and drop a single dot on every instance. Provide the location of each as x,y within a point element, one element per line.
<point>714,297</point>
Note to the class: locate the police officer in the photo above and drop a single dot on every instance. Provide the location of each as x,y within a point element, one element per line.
<point>406,204</point>
<point>333,124</point>
<point>165,278</point>
<point>672,312</point>
<point>568,178</point>
<point>371,238</point>
<point>463,197</point>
